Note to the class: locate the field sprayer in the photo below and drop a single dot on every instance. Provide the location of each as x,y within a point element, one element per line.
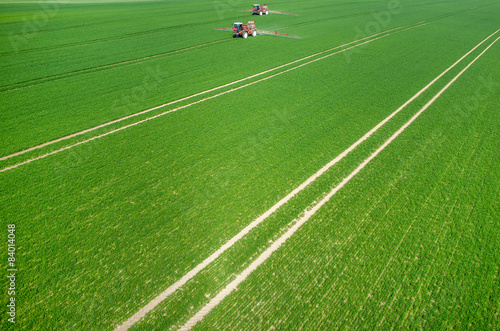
<point>244,30</point>
<point>260,10</point>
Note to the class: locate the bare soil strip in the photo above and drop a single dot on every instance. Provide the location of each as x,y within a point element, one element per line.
<point>308,213</point>
<point>171,289</point>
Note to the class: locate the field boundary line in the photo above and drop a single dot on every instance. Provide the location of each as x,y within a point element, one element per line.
<point>308,213</point>
<point>76,134</point>
<point>178,284</point>
<point>186,106</point>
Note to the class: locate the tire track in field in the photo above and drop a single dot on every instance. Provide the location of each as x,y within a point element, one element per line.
<point>42,80</point>
<point>201,93</point>
<point>309,212</point>
<point>294,225</point>
<point>165,112</point>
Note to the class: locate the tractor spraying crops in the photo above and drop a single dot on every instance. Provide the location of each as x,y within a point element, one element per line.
<point>244,30</point>
<point>260,10</point>
<point>264,10</point>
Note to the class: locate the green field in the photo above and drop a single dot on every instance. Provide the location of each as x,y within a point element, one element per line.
<point>176,137</point>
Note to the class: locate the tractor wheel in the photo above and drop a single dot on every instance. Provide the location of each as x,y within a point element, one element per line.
<point>254,33</point>
<point>245,35</point>
<point>267,12</point>
<point>260,13</point>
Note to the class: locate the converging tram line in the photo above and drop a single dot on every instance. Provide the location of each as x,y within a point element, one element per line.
<point>311,59</point>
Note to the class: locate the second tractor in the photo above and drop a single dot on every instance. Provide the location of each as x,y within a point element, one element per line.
<point>260,10</point>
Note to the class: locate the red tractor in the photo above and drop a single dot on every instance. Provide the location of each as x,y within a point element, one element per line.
<point>244,30</point>
<point>260,10</point>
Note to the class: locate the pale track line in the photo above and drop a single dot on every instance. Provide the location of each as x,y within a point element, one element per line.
<point>76,134</point>
<point>211,90</point>
<point>172,110</point>
<point>204,92</point>
<point>183,280</point>
<point>308,213</point>
<point>151,305</point>
<point>179,108</point>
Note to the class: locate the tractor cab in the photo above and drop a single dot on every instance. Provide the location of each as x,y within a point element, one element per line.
<point>256,7</point>
<point>237,26</point>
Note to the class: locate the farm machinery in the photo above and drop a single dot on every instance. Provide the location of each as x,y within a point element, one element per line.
<point>244,30</point>
<point>264,10</point>
<point>260,10</point>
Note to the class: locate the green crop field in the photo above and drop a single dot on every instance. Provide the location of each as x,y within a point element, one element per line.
<point>159,174</point>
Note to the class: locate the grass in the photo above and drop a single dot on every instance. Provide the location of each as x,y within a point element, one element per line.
<point>104,227</point>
